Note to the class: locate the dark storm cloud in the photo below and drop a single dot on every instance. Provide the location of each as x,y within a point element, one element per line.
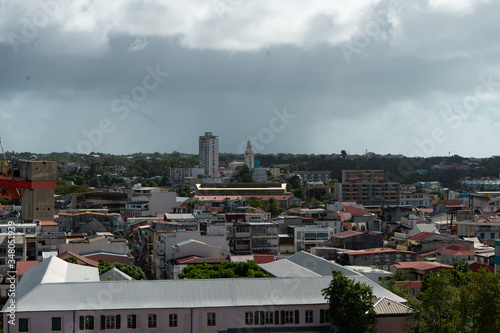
<point>234,70</point>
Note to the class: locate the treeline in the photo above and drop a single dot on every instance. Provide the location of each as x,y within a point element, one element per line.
<point>397,168</point>
<point>456,301</point>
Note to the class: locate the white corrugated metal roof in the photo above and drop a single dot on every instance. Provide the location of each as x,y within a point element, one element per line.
<point>385,306</point>
<point>173,294</point>
<point>54,270</point>
<point>307,265</point>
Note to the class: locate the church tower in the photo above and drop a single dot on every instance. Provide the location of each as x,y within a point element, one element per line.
<point>249,156</point>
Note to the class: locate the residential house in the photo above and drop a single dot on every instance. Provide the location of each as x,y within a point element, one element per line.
<point>355,240</point>
<point>417,269</point>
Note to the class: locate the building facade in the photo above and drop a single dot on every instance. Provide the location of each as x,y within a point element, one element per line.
<point>209,154</point>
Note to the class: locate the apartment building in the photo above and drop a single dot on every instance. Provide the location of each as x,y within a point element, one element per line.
<point>366,187</point>
<point>209,154</point>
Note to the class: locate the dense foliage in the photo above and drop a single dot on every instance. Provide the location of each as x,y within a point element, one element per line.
<point>227,269</point>
<point>397,168</point>
<point>270,205</point>
<point>458,301</point>
<point>134,272</point>
<point>351,304</point>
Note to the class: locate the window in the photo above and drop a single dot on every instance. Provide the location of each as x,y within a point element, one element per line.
<point>211,320</point>
<point>172,320</point>
<point>24,324</point>
<point>248,318</point>
<point>86,322</point>
<point>110,322</point>
<point>324,316</point>
<point>56,324</point>
<point>309,316</point>
<point>269,318</point>
<point>131,321</point>
<point>152,321</point>
<point>288,317</point>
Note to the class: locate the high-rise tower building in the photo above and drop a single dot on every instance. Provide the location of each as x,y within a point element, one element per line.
<point>209,154</point>
<point>249,156</point>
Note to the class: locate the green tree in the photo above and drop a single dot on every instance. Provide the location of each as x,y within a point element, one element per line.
<point>184,191</point>
<point>134,272</point>
<point>273,207</point>
<point>351,304</point>
<point>64,188</point>
<point>227,269</point>
<point>255,202</point>
<point>438,296</point>
<point>243,174</point>
<point>72,260</point>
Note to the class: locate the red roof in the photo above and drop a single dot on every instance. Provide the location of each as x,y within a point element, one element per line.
<point>410,284</point>
<point>81,260</point>
<point>456,250</point>
<point>427,253</point>
<point>421,236</point>
<point>200,260</point>
<point>476,266</point>
<point>263,258</point>
<point>421,265</point>
<point>48,223</point>
<point>347,234</point>
<point>426,210</point>
<point>377,251</point>
<point>23,266</point>
<point>354,210</point>
<point>224,198</point>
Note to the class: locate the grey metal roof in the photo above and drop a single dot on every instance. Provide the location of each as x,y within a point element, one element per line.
<point>173,294</point>
<point>307,265</point>
<point>385,306</point>
<point>114,274</point>
<point>319,265</point>
<point>53,270</point>
<point>286,268</point>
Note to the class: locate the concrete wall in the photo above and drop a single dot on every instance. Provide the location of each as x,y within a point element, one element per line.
<point>171,239</point>
<point>38,204</point>
<point>101,245</point>
<point>197,249</point>
<point>188,320</point>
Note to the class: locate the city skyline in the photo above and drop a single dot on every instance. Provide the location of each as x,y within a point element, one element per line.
<point>418,79</point>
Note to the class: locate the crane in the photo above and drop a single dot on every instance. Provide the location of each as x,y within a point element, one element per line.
<point>11,187</point>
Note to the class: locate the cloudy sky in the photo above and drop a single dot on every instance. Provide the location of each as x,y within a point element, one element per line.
<point>419,78</point>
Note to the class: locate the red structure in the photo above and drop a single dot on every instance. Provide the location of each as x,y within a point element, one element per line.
<point>10,186</point>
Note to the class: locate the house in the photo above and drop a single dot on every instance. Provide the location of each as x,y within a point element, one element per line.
<point>454,253</point>
<point>429,241</point>
<point>417,269</point>
<point>80,260</point>
<point>220,305</point>
<point>379,257</point>
<point>355,240</point>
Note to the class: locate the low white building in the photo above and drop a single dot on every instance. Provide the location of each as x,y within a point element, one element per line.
<point>150,201</point>
<point>79,302</point>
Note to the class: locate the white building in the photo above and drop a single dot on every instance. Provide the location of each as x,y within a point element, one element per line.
<point>209,154</point>
<point>79,302</point>
<point>178,175</point>
<point>414,199</point>
<point>149,201</point>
